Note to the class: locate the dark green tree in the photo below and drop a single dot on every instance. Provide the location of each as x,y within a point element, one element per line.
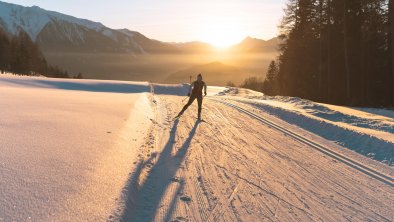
<point>4,51</point>
<point>270,84</point>
<point>338,51</point>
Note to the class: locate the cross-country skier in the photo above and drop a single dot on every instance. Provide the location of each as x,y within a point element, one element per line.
<point>195,92</point>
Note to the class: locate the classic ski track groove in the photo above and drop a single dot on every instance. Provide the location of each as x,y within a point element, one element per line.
<point>217,191</point>
<point>342,158</point>
<point>202,206</point>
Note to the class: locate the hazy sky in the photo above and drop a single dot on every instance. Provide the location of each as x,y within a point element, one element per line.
<point>220,22</point>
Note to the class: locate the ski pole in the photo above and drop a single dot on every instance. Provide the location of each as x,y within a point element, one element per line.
<point>190,83</point>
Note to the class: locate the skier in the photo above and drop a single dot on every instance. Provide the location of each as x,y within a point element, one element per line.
<point>195,92</point>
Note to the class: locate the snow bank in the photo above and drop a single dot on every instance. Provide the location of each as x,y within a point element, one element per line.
<point>364,130</point>
<point>168,89</point>
<point>67,146</point>
<point>183,89</point>
<point>78,85</point>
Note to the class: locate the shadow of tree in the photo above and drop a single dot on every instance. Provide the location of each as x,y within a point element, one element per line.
<point>142,202</point>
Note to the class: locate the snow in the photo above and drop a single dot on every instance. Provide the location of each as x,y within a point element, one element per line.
<point>233,168</point>
<point>34,19</point>
<point>126,32</point>
<point>67,146</point>
<point>95,150</point>
<point>364,130</point>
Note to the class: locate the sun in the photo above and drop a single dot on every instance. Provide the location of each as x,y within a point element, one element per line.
<point>221,34</point>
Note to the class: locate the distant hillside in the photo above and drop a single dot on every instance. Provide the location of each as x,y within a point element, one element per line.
<point>55,32</point>
<point>80,45</point>
<point>195,47</point>
<point>248,45</point>
<point>253,45</point>
<point>215,73</point>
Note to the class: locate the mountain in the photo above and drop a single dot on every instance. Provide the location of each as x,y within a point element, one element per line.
<point>195,47</point>
<point>248,45</point>
<point>54,31</point>
<point>80,45</point>
<point>254,45</point>
<point>214,73</point>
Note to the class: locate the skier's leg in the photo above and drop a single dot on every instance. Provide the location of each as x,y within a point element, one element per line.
<point>191,100</point>
<point>199,100</point>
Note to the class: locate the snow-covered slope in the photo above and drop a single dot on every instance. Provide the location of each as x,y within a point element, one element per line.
<point>54,31</point>
<point>90,150</point>
<point>67,146</point>
<point>33,19</point>
<point>367,131</point>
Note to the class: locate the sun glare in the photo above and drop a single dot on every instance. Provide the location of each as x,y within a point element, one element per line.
<point>221,35</point>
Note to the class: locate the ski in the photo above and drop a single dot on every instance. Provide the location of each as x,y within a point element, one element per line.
<point>201,120</point>
<point>176,117</point>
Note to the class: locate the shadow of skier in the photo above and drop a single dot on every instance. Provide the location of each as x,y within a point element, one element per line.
<point>143,201</point>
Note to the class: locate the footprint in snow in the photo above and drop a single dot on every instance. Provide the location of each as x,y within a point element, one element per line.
<point>179,219</point>
<point>186,198</point>
<point>175,179</point>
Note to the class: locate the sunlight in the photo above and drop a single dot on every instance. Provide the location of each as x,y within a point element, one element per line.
<point>222,34</point>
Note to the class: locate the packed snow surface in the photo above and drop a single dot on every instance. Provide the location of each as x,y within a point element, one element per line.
<point>67,146</point>
<point>90,150</point>
<point>368,131</point>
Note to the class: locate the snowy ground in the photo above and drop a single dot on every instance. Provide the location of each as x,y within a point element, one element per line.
<point>89,150</point>
<point>367,131</point>
<point>67,146</point>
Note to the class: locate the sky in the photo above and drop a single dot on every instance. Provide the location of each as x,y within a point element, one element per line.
<point>219,22</point>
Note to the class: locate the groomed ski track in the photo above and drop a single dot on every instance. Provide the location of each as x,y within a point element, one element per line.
<point>241,166</point>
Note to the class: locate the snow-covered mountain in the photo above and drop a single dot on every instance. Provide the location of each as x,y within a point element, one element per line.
<point>54,31</point>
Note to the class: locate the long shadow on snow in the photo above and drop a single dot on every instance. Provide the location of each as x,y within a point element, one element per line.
<point>111,87</point>
<point>358,142</point>
<point>386,112</point>
<point>143,201</point>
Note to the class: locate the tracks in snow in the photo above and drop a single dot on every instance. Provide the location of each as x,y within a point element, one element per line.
<point>337,156</point>
<point>233,168</point>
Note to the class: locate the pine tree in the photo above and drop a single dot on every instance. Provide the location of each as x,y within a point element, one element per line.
<point>391,36</point>
<point>336,51</point>
<point>270,86</point>
<point>346,49</point>
<point>4,51</point>
<point>272,72</point>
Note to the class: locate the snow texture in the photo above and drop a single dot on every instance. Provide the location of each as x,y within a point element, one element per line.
<point>67,146</point>
<point>91,150</point>
<point>367,131</point>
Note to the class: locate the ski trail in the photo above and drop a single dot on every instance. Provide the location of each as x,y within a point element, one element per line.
<point>351,163</point>
<point>234,168</point>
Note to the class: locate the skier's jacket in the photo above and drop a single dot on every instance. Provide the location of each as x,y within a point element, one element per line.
<point>198,87</point>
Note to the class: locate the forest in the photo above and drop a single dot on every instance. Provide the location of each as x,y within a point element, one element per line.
<point>335,51</point>
<point>20,55</point>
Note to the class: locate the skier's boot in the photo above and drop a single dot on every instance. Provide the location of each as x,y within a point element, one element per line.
<point>179,115</point>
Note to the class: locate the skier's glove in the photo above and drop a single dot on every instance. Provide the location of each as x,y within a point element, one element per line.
<point>188,94</point>
<point>205,93</point>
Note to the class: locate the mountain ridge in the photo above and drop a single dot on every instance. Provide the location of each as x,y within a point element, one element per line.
<point>55,31</point>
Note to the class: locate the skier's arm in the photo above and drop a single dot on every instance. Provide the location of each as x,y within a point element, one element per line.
<point>205,89</point>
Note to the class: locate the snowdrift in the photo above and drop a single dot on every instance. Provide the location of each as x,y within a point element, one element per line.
<point>367,131</point>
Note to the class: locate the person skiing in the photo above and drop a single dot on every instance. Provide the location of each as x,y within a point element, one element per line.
<point>195,92</point>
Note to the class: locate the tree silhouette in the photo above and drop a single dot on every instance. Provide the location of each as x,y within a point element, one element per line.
<point>338,51</point>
